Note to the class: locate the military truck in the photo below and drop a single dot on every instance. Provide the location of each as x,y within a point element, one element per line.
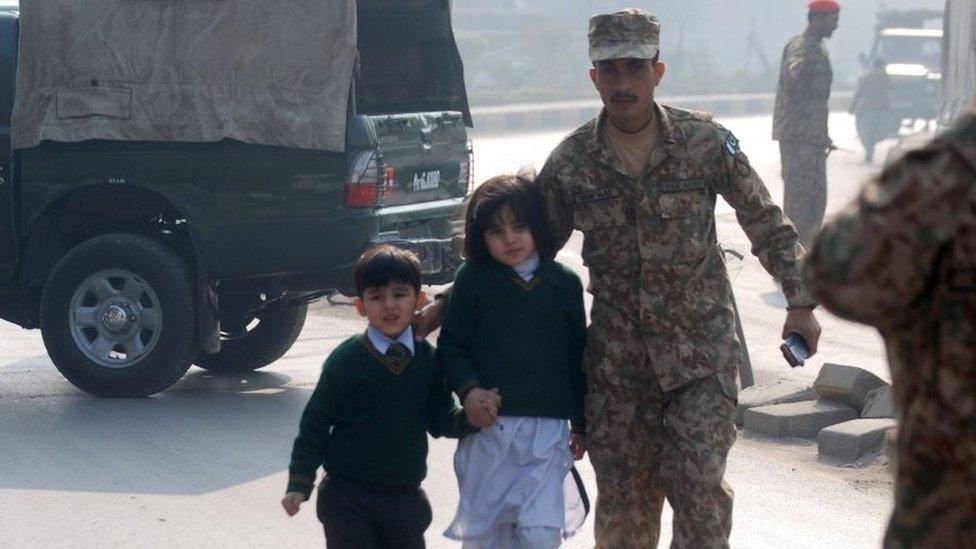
<point>958,79</point>
<point>910,44</point>
<point>179,181</point>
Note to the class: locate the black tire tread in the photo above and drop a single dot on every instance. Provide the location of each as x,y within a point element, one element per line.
<point>270,340</point>
<point>173,356</point>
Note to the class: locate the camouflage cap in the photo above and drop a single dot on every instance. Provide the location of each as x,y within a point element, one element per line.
<point>631,33</point>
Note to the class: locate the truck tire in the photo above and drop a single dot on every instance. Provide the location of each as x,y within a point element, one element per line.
<point>258,346</point>
<point>117,316</point>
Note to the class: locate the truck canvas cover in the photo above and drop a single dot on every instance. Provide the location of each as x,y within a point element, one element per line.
<point>409,60</point>
<point>270,72</point>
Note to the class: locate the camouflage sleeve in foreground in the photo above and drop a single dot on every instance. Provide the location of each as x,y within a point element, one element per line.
<point>874,260</point>
<point>559,211</point>
<point>774,240</point>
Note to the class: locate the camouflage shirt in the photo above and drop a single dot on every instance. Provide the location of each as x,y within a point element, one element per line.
<point>805,77</point>
<point>903,259</point>
<point>649,241</point>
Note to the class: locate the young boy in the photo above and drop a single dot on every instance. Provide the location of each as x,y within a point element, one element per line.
<point>366,423</point>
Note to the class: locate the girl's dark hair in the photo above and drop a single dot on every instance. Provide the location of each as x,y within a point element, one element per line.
<point>486,205</point>
<point>383,265</point>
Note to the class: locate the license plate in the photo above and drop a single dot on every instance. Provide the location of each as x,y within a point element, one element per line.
<point>426,181</point>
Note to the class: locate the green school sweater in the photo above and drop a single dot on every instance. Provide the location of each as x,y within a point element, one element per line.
<point>368,420</point>
<point>525,338</point>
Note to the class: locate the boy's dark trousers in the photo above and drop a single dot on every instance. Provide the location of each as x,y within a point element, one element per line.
<point>358,515</point>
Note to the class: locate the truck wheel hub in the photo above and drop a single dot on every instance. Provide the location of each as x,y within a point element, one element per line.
<point>117,317</point>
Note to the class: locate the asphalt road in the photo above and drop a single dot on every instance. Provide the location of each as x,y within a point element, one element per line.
<point>205,462</point>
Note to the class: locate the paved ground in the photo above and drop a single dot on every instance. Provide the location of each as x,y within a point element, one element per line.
<point>204,463</point>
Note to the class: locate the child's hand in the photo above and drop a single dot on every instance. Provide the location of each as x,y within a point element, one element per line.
<point>577,443</point>
<point>292,502</point>
<point>481,407</point>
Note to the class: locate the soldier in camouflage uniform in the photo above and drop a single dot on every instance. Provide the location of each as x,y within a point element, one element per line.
<point>641,181</point>
<point>800,120</point>
<point>902,258</point>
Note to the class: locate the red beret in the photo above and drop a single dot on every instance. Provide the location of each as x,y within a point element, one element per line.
<point>823,6</point>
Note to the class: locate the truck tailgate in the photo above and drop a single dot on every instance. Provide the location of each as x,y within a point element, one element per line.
<point>428,154</point>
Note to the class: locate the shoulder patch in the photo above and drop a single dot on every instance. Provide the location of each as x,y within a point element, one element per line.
<point>732,144</point>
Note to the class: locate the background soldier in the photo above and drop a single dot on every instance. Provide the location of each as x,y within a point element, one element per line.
<point>800,119</point>
<point>871,108</point>
<point>902,258</point>
<point>641,182</point>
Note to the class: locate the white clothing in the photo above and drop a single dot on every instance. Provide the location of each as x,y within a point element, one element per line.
<point>526,269</point>
<point>509,536</point>
<point>511,478</point>
<point>382,342</point>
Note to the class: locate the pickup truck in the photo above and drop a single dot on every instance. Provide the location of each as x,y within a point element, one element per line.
<point>139,258</point>
<point>910,44</point>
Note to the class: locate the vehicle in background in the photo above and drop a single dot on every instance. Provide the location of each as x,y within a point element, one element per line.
<point>910,44</point>
<point>139,257</point>
<point>958,82</point>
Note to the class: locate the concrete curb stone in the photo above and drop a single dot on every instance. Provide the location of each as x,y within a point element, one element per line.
<point>798,419</point>
<point>850,440</point>
<point>879,403</point>
<point>846,384</point>
<point>778,391</point>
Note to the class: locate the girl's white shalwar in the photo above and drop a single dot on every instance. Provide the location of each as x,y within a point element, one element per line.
<point>517,472</point>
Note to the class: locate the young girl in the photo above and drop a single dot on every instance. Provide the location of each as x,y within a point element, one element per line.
<point>515,324</point>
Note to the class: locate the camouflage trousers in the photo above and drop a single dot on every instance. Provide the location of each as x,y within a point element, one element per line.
<point>804,187</point>
<point>647,445</point>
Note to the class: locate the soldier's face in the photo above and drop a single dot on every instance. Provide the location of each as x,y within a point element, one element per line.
<point>509,240</point>
<point>626,87</point>
<point>828,23</point>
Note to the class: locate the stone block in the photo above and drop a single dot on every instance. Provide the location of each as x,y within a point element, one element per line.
<point>846,384</point>
<point>879,404</point>
<point>779,391</point>
<point>851,440</point>
<point>798,419</point>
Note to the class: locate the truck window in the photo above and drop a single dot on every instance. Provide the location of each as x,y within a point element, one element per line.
<point>409,61</point>
<point>910,49</point>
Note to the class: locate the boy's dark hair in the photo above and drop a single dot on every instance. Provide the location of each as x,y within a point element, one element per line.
<point>521,195</point>
<point>383,265</point>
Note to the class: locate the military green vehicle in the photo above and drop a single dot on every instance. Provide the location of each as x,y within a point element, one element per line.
<point>176,189</point>
<point>910,44</point>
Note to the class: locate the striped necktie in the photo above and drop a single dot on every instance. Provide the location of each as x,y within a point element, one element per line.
<point>397,357</point>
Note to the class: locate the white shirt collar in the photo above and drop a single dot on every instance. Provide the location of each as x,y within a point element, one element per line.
<point>527,268</point>
<point>382,342</point>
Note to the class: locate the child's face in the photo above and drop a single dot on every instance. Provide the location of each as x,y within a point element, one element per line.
<point>390,309</point>
<point>509,240</point>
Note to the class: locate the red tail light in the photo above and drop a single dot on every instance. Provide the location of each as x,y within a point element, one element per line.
<point>363,187</point>
<point>389,178</point>
<point>361,196</point>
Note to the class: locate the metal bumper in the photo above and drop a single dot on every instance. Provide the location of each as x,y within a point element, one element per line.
<point>437,255</point>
